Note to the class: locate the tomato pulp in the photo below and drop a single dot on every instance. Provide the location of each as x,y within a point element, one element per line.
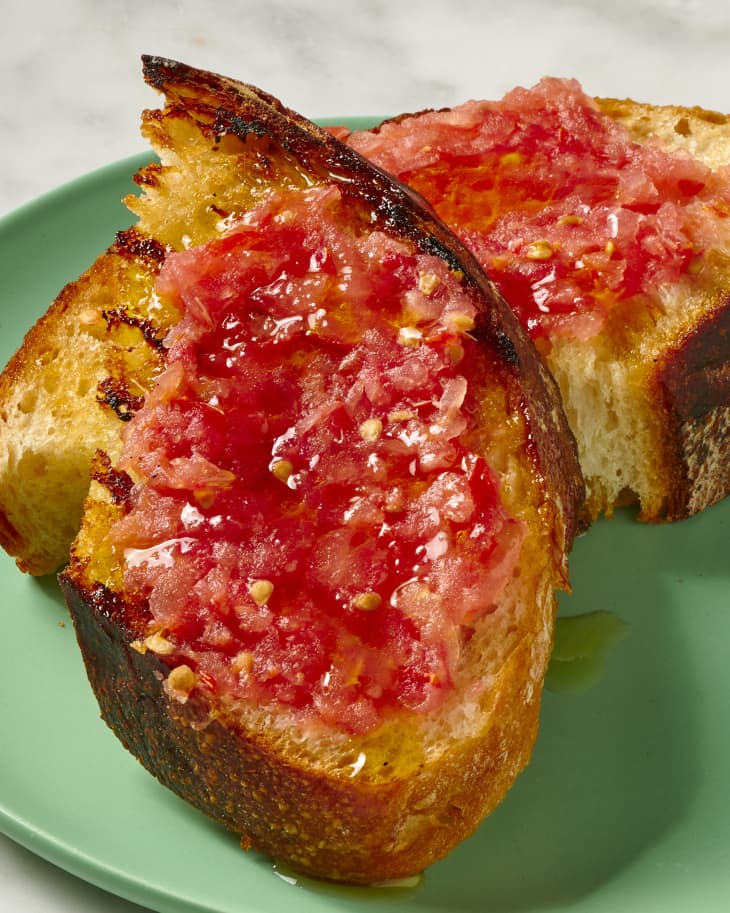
<point>310,522</point>
<point>564,211</point>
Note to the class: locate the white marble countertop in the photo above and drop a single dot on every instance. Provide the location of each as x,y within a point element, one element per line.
<point>71,95</point>
<point>71,87</point>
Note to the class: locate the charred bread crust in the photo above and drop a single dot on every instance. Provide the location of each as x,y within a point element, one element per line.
<point>689,381</point>
<point>692,383</point>
<point>352,831</point>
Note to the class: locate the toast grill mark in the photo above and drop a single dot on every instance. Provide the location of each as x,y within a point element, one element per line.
<point>117,317</point>
<point>131,243</point>
<point>149,176</point>
<point>242,128</point>
<point>114,392</point>
<point>116,481</point>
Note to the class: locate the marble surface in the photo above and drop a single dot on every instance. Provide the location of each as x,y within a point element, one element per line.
<point>71,95</point>
<point>71,89</point>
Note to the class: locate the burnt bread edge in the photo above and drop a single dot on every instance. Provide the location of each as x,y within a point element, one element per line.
<point>314,822</point>
<point>692,383</point>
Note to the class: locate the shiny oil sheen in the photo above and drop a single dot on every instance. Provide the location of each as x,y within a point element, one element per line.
<point>311,524</point>
<point>566,213</point>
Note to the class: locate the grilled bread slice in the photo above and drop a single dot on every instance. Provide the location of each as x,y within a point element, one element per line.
<point>605,225</point>
<point>78,376</point>
<point>314,585</point>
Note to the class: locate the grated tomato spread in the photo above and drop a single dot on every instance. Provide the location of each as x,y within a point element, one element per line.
<point>309,523</point>
<point>564,211</point>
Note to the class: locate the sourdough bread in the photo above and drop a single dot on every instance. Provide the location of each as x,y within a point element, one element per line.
<point>646,394</point>
<point>350,800</point>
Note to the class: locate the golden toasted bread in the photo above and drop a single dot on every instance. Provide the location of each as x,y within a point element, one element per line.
<point>79,374</point>
<point>314,585</point>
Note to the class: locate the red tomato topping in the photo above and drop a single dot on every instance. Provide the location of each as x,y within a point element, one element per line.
<point>564,211</point>
<point>309,523</point>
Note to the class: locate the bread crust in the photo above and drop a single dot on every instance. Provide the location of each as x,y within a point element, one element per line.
<point>356,826</point>
<point>338,828</point>
<point>688,377</point>
<point>692,384</point>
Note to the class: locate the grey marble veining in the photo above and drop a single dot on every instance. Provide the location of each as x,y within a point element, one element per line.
<point>72,91</point>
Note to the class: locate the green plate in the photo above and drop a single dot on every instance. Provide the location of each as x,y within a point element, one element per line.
<point>625,806</point>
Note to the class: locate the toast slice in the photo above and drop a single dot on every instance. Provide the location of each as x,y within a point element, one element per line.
<point>604,223</point>
<point>76,379</point>
<point>314,586</point>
